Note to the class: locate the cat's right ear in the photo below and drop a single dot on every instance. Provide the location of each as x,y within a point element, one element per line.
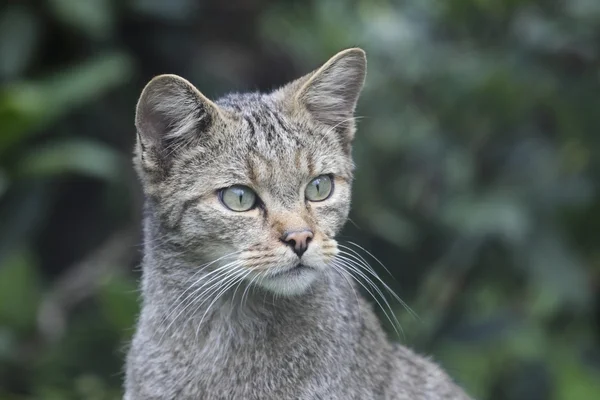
<point>171,114</point>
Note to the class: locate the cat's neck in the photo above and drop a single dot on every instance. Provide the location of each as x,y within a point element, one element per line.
<point>179,312</point>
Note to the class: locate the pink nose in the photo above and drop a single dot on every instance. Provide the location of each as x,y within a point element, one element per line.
<point>298,240</point>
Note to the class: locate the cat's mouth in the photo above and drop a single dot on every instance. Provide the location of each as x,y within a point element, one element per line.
<point>291,280</point>
<point>294,271</point>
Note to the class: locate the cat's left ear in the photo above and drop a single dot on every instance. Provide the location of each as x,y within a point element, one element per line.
<point>330,93</point>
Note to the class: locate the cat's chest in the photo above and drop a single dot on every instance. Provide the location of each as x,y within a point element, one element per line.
<point>264,366</point>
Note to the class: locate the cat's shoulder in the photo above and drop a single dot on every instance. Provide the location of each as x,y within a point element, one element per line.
<point>421,377</point>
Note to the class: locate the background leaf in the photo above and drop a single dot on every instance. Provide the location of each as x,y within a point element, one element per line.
<point>477,179</point>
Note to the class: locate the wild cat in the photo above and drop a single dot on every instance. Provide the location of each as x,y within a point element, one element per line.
<point>245,292</point>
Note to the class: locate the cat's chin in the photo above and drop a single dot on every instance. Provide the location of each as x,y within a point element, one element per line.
<point>290,282</point>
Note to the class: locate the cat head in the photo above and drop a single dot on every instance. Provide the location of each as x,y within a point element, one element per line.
<point>260,182</point>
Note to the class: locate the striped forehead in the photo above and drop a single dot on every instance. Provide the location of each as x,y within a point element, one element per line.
<point>277,150</point>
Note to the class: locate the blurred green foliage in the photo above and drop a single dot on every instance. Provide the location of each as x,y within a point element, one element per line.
<point>477,182</point>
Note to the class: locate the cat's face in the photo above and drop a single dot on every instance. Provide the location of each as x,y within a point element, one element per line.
<point>259,181</point>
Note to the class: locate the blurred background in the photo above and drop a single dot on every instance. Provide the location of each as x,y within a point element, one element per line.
<point>478,159</point>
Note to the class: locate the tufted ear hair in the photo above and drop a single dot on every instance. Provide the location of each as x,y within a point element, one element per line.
<point>330,93</point>
<point>171,115</point>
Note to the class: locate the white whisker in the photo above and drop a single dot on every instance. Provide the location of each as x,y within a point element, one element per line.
<point>218,273</point>
<point>202,267</point>
<point>395,323</point>
<point>240,278</point>
<point>343,274</point>
<point>257,276</point>
<point>361,261</point>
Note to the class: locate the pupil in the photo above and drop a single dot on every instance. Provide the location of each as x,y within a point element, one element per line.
<point>240,197</point>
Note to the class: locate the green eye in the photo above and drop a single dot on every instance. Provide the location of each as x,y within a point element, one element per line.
<point>319,188</point>
<point>238,198</point>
